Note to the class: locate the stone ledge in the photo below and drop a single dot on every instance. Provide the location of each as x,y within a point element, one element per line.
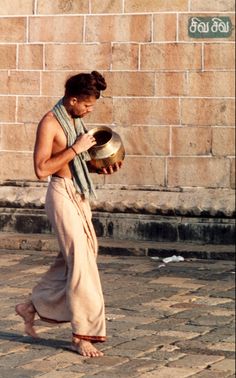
<point>48,243</point>
<point>129,226</point>
<point>198,202</point>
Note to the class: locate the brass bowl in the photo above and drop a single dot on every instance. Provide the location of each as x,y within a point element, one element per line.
<point>108,150</point>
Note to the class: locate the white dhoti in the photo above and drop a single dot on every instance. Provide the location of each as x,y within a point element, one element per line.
<point>70,291</point>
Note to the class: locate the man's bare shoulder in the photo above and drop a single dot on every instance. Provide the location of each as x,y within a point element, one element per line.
<point>49,123</point>
<point>49,118</point>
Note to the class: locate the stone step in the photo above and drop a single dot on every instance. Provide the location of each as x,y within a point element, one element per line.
<point>131,226</point>
<point>48,242</point>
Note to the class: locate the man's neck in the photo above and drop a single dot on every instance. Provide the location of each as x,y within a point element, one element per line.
<point>66,104</point>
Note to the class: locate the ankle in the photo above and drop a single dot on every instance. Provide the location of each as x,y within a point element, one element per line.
<point>76,340</point>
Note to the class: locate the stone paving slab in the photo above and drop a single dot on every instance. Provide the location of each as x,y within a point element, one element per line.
<point>173,321</point>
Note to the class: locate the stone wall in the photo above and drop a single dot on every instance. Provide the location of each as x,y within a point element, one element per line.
<point>169,96</point>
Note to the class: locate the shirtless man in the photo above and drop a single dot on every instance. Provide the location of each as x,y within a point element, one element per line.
<point>54,155</point>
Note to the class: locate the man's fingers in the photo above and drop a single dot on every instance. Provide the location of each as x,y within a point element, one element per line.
<point>118,165</point>
<point>111,169</point>
<point>104,171</point>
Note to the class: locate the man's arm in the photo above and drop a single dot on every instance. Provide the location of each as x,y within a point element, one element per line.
<point>45,161</point>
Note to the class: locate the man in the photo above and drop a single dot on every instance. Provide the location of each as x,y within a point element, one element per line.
<point>70,290</point>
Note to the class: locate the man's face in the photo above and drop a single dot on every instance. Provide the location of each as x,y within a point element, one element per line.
<point>82,107</point>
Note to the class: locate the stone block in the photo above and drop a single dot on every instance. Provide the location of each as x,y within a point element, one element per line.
<point>4,82</point>
<point>62,7</point>
<point>227,365</point>
<point>135,6</point>
<point>164,84</point>
<point>98,179</point>
<point>77,57</point>
<point>139,171</point>
<point>168,372</point>
<point>146,111</point>
<point>17,7</point>
<point>199,171</point>
<point>145,140</point>
<point>191,141</point>
<point>232,173</point>
<point>32,109</point>
<point>120,28</point>
<point>170,56</point>
<point>227,347</point>
<point>56,29</point>
<point>220,234</point>
<point>212,5</point>
<point>52,82</point>
<point>129,84</point>
<point>102,112</point>
<point>223,141</point>
<point>17,165</point>
<point>208,112</point>
<point>62,374</point>
<point>17,137</point>
<point>164,27</point>
<point>206,373</point>
<point>125,56</point>
<point>183,26</point>
<point>30,56</point>
<point>12,29</point>
<point>185,283</point>
<point>106,6</point>
<point>211,84</point>
<point>178,334</point>
<point>7,108</point>
<point>8,57</point>
<point>195,361</point>
<point>219,56</point>
<point>20,82</point>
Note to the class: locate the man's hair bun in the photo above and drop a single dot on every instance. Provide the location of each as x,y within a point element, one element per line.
<point>85,85</point>
<point>100,81</point>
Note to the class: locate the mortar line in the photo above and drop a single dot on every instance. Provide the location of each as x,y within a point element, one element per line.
<point>123,6</point>
<point>35,6</point>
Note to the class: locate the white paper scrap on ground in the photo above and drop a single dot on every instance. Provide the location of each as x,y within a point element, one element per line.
<point>161,265</point>
<point>173,258</point>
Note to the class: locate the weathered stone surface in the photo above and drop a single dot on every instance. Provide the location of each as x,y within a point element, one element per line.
<point>192,202</point>
<point>30,56</point>
<point>142,342</point>
<point>125,28</point>
<point>12,29</point>
<point>17,7</point>
<point>62,7</point>
<point>56,29</point>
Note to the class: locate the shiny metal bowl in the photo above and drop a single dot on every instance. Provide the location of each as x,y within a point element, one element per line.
<point>108,150</point>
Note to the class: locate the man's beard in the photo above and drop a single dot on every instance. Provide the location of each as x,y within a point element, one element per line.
<point>75,116</point>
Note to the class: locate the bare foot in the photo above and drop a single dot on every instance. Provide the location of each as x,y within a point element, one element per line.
<point>85,348</point>
<point>27,312</point>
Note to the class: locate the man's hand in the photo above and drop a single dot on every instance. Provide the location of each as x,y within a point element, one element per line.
<point>84,142</point>
<point>111,169</point>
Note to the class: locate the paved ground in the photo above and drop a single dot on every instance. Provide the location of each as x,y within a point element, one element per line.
<point>166,321</point>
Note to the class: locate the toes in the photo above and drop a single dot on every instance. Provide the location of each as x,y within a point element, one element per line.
<point>85,349</point>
